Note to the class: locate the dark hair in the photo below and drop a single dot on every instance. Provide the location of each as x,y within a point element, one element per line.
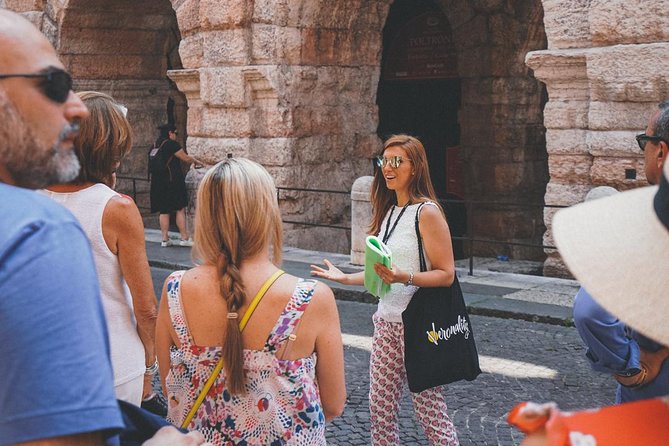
<point>662,122</point>
<point>104,139</point>
<point>420,188</point>
<point>165,130</point>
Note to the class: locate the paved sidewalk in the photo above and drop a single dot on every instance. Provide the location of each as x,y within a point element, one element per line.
<point>488,293</point>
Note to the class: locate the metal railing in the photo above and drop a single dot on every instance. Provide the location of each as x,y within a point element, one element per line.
<point>143,210</point>
<point>470,206</point>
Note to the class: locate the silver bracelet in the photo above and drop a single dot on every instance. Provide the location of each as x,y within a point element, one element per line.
<point>152,369</point>
<point>410,281</point>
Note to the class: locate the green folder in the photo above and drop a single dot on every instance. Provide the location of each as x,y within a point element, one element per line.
<point>376,252</point>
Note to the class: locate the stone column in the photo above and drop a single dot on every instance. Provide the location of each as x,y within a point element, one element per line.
<point>361,215</point>
<point>563,68</point>
<point>566,121</point>
<point>599,95</point>
<point>292,86</point>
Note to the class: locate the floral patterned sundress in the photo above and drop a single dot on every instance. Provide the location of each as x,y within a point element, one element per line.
<point>282,404</point>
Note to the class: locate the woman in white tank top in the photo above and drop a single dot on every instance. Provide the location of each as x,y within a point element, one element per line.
<point>114,227</point>
<point>401,184</point>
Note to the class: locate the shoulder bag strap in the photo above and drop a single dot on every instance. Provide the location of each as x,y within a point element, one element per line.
<point>421,256</point>
<point>160,146</point>
<point>219,365</point>
<point>148,176</point>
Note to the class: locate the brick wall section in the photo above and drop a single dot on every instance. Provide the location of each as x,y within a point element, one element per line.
<point>503,137</point>
<point>292,84</point>
<point>600,97</point>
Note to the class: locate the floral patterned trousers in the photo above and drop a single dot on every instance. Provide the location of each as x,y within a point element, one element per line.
<point>387,381</point>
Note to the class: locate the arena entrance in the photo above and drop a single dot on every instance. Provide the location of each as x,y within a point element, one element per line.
<point>453,74</point>
<point>419,94</point>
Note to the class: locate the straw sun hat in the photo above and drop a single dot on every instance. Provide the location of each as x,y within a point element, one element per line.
<point>618,248</point>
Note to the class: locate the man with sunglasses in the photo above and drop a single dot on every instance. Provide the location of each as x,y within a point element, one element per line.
<point>654,142</point>
<point>636,362</point>
<point>56,386</point>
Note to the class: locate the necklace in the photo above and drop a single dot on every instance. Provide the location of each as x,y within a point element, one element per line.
<point>387,234</point>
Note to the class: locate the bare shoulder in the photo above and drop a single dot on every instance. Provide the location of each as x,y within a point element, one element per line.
<point>121,210</point>
<point>322,291</point>
<point>323,301</point>
<point>122,223</point>
<point>121,203</point>
<point>430,213</point>
<point>200,276</point>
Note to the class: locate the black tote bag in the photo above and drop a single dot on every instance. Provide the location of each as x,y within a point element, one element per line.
<point>439,345</point>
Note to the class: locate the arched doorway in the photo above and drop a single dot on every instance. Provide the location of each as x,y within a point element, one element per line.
<point>419,94</point>
<point>468,94</point>
<point>124,48</point>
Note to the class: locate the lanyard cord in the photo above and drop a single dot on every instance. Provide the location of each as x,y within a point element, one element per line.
<point>387,234</point>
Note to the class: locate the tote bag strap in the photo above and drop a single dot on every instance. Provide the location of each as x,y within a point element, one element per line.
<point>219,365</point>
<point>421,255</point>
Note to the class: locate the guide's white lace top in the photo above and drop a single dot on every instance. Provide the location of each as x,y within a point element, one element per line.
<point>404,247</point>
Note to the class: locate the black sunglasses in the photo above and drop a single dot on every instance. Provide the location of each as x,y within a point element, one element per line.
<point>56,85</point>
<point>642,139</point>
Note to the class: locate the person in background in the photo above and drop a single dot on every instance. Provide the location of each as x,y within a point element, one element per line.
<point>636,362</point>
<point>57,387</point>
<point>283,377</point>
<point>114,227</point>
<point>168,184</point>
<point>400,188</point>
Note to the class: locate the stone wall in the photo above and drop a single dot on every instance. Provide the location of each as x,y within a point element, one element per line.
<point>604,71</point>
<point>290,84</point>
<point>501,120</point>
<point>122,48</point>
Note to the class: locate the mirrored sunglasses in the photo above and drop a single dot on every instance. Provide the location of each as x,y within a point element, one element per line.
<point>394,161</point>
<point>56,83</point>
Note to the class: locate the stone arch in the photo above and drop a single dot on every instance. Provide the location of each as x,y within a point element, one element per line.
<point>317,128</point>
<point>502,137</point>
<point>124,48</point>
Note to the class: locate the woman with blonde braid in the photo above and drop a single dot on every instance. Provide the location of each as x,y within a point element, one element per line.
<point>271,389</point>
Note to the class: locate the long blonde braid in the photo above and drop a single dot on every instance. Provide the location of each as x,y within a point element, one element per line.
<point>237,214</point>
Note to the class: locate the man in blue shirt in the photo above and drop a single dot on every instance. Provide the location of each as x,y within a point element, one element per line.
<point>56,386</point>
<point>615,349</point>
<point>635,361</point>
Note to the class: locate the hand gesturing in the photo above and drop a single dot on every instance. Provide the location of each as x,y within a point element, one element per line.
<point>332,273</point>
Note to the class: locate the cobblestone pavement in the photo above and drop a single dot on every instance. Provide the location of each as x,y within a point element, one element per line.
<point>520,360</point>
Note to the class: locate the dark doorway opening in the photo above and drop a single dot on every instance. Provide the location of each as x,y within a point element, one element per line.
<point>419,94</point>
<point>428,110</point>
